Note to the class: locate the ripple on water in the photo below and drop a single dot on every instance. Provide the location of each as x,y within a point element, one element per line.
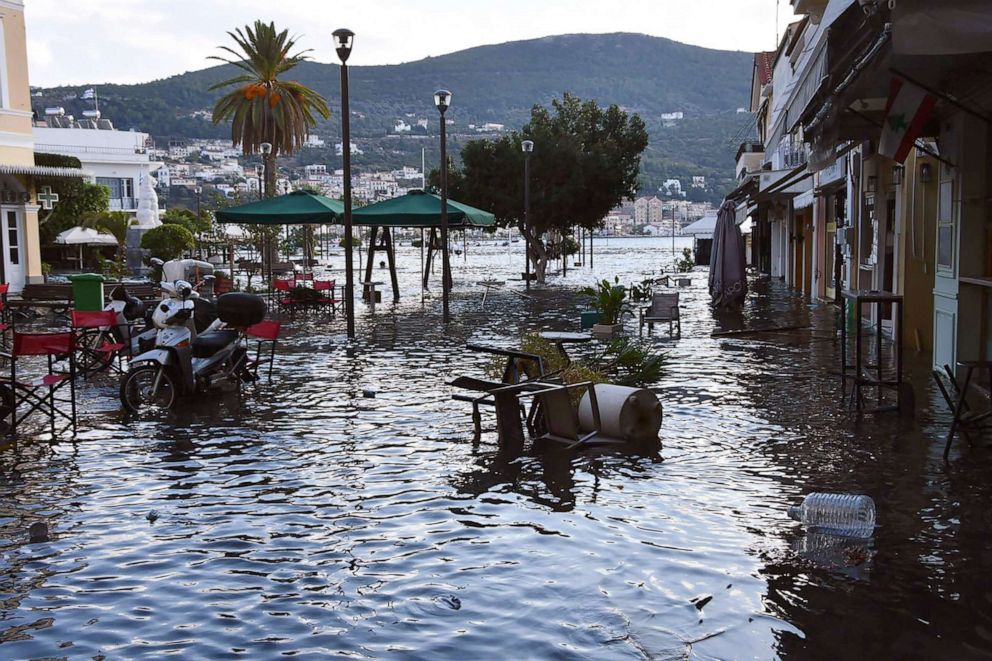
<point>307,519</point>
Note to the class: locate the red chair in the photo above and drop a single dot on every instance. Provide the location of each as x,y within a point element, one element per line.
<point>39,392</point>
<point>283,293</point>
<point>265,332</point>
<point>95,341</point>
<point>4,310</point>
<point>302,277</point>
<point>326,299</point>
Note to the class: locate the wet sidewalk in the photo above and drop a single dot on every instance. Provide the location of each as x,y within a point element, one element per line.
<point>306,518</point>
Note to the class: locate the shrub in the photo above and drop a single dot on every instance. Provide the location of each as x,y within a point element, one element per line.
<point>168,241</point>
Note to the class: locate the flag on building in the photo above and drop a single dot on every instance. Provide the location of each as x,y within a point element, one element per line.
<point>906,113</point>
<point>88,94</point>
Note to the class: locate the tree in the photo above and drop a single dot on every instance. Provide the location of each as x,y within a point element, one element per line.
<point>168,241</point>
<point>186,218</point>
<point>115,223</point>
<point>77,200</point>
<point>263,107</point>
<point>586,161</point>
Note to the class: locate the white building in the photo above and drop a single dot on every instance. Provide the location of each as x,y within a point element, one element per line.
<point>699,182</point>
<point>401,127</point>
<point>339,148</point>
<point>118,159</point>
<point>314,142</point>
<point>647,210</point>
<point>672,188</point>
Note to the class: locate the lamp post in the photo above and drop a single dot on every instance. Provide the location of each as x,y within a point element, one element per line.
<point>442,99</point>
<point>343,40</point>
<point>266,149</point>
<point>528,147</point>
<point>259,170</point>
<point>199,248</point>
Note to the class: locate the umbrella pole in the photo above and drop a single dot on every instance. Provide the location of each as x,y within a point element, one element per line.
<point>422,265</point>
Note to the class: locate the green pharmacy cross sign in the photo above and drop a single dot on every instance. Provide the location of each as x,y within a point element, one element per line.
<point>47,198</point>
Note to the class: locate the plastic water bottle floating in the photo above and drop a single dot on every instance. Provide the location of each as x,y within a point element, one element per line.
<point>837,513</point>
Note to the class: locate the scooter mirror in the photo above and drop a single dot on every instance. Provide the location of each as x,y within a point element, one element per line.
<point>208,278</point>
<point>155,261</point>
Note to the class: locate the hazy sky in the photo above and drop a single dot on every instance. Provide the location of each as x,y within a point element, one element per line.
<point>126,41</point>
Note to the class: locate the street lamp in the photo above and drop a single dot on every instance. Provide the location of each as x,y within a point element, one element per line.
<point>266,149</point>
<point>528,147</point>
<point>442,99</point>
<point>343,40</point>
<point>199,248</point>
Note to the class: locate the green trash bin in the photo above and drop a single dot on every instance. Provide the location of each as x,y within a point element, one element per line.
<point>87,291</point>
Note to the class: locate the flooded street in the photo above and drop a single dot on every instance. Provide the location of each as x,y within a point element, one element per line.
<point>307,519</point>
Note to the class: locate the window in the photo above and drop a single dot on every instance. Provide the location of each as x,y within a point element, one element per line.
<point>13,237</point>
<point>945,227</point>
<point>112,184</point>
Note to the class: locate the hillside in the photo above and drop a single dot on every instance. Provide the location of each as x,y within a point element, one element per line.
<point>497,83</point>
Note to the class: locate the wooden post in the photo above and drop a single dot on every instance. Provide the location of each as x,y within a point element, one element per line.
<point>387,240</point>
<point>373,231</point>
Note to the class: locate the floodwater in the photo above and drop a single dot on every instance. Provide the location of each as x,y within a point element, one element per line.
<point>306,519</point>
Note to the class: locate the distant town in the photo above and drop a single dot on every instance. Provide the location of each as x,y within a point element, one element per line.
<point>213,174</point>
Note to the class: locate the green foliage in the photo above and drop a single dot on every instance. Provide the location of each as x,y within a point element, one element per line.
<point>355,242</point>
<point>115,268</point>
<point>609,299</point>
<point>77,200</point>
<point>623,361</point>
<point>114,223</point>
<point>186,218</point>
<point>264,106</point>
<point>686,263</point>
<point>569,246</point>
<point>168,241</point>
<point>642,291</point>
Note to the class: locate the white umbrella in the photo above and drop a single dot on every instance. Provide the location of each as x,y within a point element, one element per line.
<point>85,236</point>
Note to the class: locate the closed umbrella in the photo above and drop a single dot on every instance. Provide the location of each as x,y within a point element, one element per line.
<point>84,236</point>
<point>728,267</point>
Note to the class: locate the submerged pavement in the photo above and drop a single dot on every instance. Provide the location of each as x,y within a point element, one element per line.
<point>305,518</point>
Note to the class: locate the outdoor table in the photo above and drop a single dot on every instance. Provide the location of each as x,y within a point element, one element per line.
<point>368,291</point>
<point>561,338</point>
<point>859,371</point>
<point>488,284</point>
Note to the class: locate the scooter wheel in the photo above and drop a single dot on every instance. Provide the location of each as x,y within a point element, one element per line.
<point>147,388</point>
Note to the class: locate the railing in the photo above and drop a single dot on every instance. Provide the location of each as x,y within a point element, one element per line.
<point>63,149</point>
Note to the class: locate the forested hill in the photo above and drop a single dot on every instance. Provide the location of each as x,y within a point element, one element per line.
<point>498,84</point>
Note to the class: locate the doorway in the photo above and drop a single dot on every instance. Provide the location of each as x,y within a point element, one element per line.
<point>11,247</point>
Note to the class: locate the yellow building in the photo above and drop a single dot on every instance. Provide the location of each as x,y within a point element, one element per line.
<point>20,254</point>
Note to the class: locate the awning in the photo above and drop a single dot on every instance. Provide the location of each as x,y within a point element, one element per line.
<point>297,208</point>
<point>929,27</point>
<point>420,209</point>
<point>45,171</point>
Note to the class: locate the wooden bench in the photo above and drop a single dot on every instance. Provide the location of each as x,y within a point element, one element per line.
<point>663,308</point>
<point>146,291</point>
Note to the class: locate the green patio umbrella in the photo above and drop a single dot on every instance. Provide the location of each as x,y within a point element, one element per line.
<point>420,209</point>
<point>297,208</point>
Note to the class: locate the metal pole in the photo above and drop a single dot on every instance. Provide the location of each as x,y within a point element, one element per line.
<point>444,221</point>
<point>527,219</point>
<point>349,276</point>
<point>421,264</point>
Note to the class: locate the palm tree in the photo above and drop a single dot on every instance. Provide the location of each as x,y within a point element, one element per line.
<point>263,108</point>
<point>111,222</point>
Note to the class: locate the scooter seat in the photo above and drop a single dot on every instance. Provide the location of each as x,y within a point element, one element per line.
<point>210,343</point>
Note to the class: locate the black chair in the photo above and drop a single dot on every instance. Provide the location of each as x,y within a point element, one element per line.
<point>964,418</point>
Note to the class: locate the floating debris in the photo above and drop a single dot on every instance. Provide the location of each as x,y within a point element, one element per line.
<point>38,532</point>
<point>152,516</point>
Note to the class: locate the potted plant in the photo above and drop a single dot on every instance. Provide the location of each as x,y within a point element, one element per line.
<point>610,301</point>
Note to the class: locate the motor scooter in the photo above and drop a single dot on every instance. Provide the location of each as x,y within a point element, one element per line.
<point>184,361</point>
<point>134,328</point>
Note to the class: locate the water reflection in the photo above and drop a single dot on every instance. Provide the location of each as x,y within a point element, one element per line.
<point>304,518</point>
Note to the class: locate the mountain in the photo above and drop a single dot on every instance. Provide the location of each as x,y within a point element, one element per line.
<point>497,83</point>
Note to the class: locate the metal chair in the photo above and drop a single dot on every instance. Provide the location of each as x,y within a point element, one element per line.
<point>95,341</point>
<point>265,332</point>
<point>664,308</point>
<point>964,418</point>
<point>39,392</point>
